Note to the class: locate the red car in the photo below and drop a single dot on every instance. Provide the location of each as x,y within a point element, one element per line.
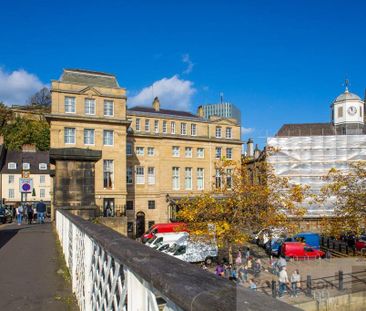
<point>361,243</point>
<point>164,228</point>
<point>300,251</point>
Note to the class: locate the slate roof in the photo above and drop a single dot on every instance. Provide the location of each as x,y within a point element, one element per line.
<point>33,158</point>
<point>307,129</point>
<point>163,111</point>
<point>90,78</point>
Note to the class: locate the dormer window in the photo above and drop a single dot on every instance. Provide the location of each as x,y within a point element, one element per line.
<point>42,166</point>
<point>26,166</point>
<point>12,166</point>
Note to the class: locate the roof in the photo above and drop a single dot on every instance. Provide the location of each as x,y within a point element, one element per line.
<point>307,129</point>
<point>90,78</point>
<point>347,96</point>
<point>163,111</point>
<point>19,157</point>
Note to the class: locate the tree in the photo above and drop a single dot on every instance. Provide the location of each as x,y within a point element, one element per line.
<point>347,192</point>
<point>6,115</point>
<point>238,207</point>
<point>41,98</point>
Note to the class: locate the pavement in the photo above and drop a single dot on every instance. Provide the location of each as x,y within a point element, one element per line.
<point>32,274</point>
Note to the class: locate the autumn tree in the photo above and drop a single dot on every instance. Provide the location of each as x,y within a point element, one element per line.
<point>237,206</point>
<point>346,191</point>
<point>6,115</point>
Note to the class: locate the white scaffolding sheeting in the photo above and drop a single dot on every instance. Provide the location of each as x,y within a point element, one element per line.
<point>306,159</point>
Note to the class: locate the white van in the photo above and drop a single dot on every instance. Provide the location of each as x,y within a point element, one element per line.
<point>194,252</point>
<point>165,238</point>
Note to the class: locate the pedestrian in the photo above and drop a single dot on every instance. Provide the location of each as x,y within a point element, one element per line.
<point>283,281</point>
<point>252,285</point>
<point>29,213</point>
<point>238,260</point>
<point>247,254</point>
<point>19,212</point>
<point>34,214</point>
<point>281,263</point>
<point>219,271</point>
<point>228,270</point>
<point>41,209</point>
<point>243,273</point>
<point>234,274</point>
<point>257,267</point>
<point>295,282</point>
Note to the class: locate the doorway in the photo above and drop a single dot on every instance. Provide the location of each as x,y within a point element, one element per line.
<point>108,207</point>
<point>140,224</point>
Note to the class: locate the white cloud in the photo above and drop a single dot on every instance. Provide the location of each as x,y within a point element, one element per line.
<point>17,86</point>
<point>187,60</point>
<point>173,93</point>
<point>246,130</point>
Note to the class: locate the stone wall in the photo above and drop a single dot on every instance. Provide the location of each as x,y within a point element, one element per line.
<point>118,224</point>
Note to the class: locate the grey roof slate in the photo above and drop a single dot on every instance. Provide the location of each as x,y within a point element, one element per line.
<point>164,111</point>
<point>90,78</point>
<point>33,158</point>
<point>307,129</point>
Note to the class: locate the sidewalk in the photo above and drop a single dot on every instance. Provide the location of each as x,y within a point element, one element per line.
<point>29,262</point>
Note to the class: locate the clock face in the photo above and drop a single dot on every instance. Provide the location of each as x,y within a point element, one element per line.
<point>352,110</point>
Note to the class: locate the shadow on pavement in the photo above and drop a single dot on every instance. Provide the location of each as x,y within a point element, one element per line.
<point>7,234</point>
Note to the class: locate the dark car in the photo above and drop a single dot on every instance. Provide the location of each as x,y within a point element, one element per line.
<point>6,214</point>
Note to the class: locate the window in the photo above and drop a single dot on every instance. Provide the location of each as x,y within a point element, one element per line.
<point>129,205</point>
<point>151,204</point>
<point>218,153</point>
<point>172,127</point>
<point>218,132</point>
<point>42,166</point>
<point>229,178</point>
<point>175,151</point>
<point>165,127</point>
<point>88,136</point>
<point>188,178</point>
<point>193,129</point>
<point>11,194</point>
<point>150,224</point>
<point>229,153</point>
<point>108,108</point>
<point>70,104</point>
<point>108,138</point>
<point>340,112</point>
<point>147,125</point>
<point>108,173</point>
<point>200,179</point>
<point>175,178</point>
<point>129,149</point>
<point>89,106</point>
<point>150,151</point>
<point>42,193</point>
<point>228,132</point>
<point>218,179</point>
<point>188,152</point>
<point>12,166</point>
<point>183,128</point>
<point>200,152</point>
<point>140,151</point>
<point>156,126</point>
<point>11,179</point>
<point>140,175</point>
<point>42,179</point>
<point>26,166</point>
<point>151,175</point>
<point>138,128</point>
<point>69,135</point>
<point>129,177</point>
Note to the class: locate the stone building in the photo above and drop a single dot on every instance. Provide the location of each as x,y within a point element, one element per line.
<point>143,159</point>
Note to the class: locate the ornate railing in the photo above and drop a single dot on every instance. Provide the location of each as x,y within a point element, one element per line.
<point>110,272</point>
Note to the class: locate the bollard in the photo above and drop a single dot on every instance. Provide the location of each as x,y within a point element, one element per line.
<point>327,242</point>
<point>340,280</point>
<point>274,289</point>
<point>308,286</point>
<point>354,251</point>
<point>340,247</point>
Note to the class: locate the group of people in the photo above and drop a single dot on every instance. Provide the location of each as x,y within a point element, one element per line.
<point>26,211</point>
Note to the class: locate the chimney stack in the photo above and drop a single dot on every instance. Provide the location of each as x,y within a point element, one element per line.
<point>156,104</point>
<point>29,148</point>
<point>200,111</point>
<point>257,152</point>
<point>250,150</point>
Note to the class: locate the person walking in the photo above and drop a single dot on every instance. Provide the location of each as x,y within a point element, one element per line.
<point>257,267</point>
<point>295,282</point>
<point>219,271</point>
<point>41,209</point>
<point>283,281</point>
<point>34,214</point>
<point>29,214</point>
<point>19,212</point>
<point>238,260</point>
<point>243,273</point>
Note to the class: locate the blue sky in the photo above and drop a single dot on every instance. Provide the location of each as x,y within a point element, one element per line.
<point>279,61</point>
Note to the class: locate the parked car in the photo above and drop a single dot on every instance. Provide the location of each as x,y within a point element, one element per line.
<point>166,238</point>
<point>266,235</point>
<point>196,252</point>
<point>361,243</point>
<point>164,228</point>
<point>300,251</point>
<point>6,214</point>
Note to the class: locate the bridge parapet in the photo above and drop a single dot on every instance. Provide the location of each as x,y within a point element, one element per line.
<point>112,272</point>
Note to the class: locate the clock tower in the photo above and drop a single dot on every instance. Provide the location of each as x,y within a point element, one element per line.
<point>348,113</point>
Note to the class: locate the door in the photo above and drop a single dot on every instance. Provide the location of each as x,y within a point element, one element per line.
<point>108,207</point>
<point>140,224</point>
